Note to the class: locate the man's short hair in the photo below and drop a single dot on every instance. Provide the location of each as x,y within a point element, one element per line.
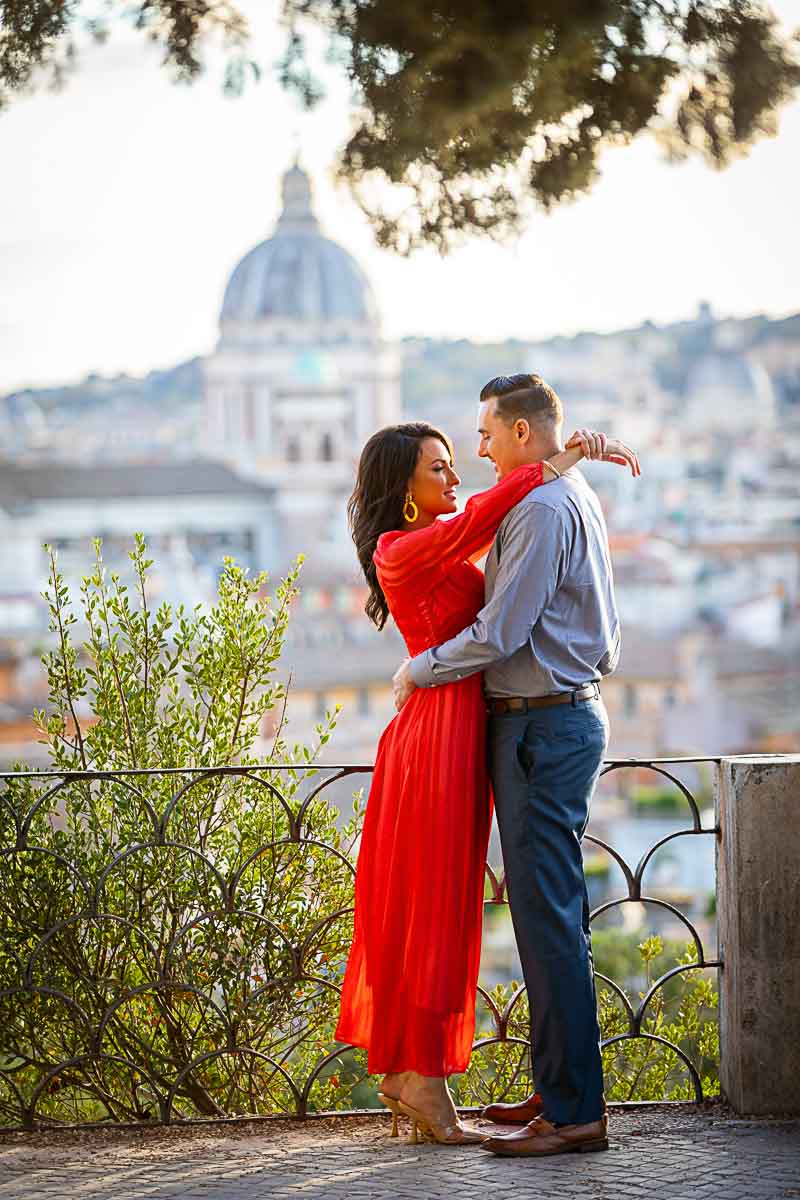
<point>503,385</point>
<point>525,397</point>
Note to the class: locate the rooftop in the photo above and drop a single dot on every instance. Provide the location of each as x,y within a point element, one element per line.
<point>121,481</point>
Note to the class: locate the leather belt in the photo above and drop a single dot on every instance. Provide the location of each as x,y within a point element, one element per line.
<point>517,704</point>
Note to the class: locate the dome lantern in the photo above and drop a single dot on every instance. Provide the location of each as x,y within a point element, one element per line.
<point>297,210</point>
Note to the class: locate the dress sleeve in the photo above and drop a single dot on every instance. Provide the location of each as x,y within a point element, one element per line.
<point>445,543</point>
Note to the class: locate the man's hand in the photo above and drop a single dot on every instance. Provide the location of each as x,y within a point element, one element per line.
<point>599,448</point>
<point>402,684</point>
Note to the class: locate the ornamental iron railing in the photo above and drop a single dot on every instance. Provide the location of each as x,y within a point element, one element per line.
<point>172,943</point>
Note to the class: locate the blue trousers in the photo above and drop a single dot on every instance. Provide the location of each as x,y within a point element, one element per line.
<point>544,765</point>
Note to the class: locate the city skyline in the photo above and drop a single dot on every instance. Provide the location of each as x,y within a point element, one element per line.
<point>135,197</point>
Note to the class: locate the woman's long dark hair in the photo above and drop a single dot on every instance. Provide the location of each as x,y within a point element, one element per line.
<point>387,462</point>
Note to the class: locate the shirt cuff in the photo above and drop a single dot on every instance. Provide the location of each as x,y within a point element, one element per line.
<point>421,670</point>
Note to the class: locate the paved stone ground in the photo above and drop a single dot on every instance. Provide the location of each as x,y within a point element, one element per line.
<point>657,1153</point>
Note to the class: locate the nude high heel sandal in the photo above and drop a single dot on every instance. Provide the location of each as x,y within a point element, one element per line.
<point>445,1135</point>
<point>394,1106</point>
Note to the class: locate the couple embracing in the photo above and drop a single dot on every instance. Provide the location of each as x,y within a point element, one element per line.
<point>498,704</point>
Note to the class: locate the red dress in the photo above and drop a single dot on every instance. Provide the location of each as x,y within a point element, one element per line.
<point>409,990</point>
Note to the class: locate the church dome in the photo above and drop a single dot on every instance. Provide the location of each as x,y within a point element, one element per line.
<point>298,274</point>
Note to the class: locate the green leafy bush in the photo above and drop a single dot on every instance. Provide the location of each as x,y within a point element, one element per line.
<point>654,800</point>
<point>682,1011</point>
<point>169,942</point>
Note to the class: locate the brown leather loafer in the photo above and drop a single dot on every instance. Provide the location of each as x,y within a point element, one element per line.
<point>539,1137</point>
<point>514,1114</point>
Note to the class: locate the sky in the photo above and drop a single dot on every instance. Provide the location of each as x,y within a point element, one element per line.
<point>126,201</point>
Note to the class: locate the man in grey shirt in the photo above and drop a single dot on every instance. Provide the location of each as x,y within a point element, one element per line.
<point>547,635</point>
<point>550,621</point>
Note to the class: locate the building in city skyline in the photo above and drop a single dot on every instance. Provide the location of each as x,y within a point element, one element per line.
<point>300,377</point>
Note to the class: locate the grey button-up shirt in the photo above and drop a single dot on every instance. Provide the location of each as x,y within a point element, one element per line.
<point>550,621</point>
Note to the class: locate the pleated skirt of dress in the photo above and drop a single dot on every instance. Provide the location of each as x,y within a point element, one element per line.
<point>409,991</point>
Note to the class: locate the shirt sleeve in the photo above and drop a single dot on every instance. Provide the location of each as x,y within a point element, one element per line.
<point>399,557</point>
<point>533,559</point>
<point>610,660</point>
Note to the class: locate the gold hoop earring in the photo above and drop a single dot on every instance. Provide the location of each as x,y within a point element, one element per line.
<point>410,507</point>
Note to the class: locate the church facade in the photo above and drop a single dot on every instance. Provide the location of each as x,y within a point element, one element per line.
<point>300,377</point>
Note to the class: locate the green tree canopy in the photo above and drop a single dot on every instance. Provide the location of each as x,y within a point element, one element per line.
<point>476,110</point>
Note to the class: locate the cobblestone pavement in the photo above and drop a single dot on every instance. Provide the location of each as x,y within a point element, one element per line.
<point>661,1153</point>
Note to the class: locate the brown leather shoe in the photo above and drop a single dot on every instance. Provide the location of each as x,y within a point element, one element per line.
<point>539,1137</point>
<point>514,1114</point>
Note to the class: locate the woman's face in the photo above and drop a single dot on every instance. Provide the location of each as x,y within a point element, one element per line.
<point>434,480</point>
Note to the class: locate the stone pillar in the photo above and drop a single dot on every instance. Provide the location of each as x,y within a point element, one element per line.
<point>758,913</point>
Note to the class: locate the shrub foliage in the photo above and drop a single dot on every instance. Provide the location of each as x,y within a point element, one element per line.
<point>169,936</point>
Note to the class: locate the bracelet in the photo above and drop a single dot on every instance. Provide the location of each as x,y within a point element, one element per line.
<point>546,463</point>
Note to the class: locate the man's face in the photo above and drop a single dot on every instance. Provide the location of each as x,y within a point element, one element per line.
<point>502,443</point>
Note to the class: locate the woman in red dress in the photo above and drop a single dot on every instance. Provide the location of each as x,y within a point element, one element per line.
<point>409,990</point>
